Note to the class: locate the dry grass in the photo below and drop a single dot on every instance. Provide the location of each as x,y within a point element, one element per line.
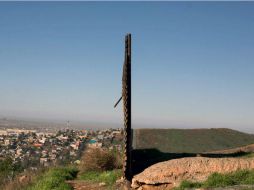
<point>23,180</point>
<point>96,159</point>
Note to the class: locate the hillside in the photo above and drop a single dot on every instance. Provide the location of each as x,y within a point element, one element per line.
<point>190,140</point>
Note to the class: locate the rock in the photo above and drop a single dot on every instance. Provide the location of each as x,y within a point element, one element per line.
<point>77,162</point>
<point>23,179</point>
<point>102,184</point>
<point>121,180</point>
<point>172,172</point>
<point>157,187</point>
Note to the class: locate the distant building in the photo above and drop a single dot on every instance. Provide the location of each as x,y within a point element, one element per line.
<point>37,145</point>
<point>95,145</point>
<point>6,142</point>
<point>92,141</point>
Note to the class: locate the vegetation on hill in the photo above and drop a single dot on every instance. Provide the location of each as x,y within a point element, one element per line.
<point>101,166</point>
<point>8,169</point>
<point>190,140</point>
<point>241,177</point>
<point>55,179</point>
<point>97,166</point>
<point>42,179</point>
<point>63,178</point>
<point>107,177</point>
<point>96,159</point>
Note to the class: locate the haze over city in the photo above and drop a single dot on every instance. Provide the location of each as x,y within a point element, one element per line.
<point>192,62</point>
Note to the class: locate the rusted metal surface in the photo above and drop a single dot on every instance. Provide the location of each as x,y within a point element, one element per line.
<point>126,97</point>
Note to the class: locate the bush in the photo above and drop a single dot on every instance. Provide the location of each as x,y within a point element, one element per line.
<point>99,160</point>
<point>234,178</point>
<point>219,180</point>
<point>55,179</point>
<point>8,171</point>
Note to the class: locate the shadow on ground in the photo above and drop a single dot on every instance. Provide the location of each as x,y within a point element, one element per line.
<point>143,158</point>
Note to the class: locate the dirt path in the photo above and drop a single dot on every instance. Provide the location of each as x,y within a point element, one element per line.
<point>85,185</point>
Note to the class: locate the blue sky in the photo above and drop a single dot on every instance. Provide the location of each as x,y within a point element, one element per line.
<point>192,62</point>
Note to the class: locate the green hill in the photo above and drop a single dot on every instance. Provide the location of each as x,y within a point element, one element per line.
<point>190,140</point>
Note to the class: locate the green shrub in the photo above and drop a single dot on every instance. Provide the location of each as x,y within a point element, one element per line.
<point>54,179</point>
<point>240,177</point>
<point>188,184</point>
<point>108,177</point>
<point>234,178</point>
<point>219,180</point>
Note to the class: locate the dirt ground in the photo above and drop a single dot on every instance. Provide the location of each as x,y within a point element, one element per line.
<point>86,185</point>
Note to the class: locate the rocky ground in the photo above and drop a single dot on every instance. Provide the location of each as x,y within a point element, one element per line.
<point>169,174</point>
<point>236,187</point>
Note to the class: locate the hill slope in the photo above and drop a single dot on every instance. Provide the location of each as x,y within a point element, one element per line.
<point>190,140</point>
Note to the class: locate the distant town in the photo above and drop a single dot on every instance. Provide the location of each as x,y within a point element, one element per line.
<point>33,148</point>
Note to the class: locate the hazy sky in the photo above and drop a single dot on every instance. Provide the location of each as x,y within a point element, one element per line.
<point>193,62</point>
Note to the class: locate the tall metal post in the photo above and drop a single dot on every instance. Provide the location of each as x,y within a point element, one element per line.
<point>126,96</point>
